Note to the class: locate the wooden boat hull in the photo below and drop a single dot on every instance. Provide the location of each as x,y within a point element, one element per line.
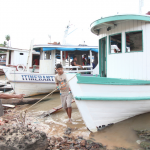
<point>104,104</point>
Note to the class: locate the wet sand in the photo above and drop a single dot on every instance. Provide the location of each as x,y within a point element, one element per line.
<point>121,134</point>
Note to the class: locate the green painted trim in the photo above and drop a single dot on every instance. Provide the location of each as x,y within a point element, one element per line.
<point>133,51</point>
<point>110,43</point>
<point>118,17</point>
<point>111,98</point>
<point>142,41</point>
<point>99,57</point>
<point>109,81</point>
<point>106,55</point>
<point>100,54</point>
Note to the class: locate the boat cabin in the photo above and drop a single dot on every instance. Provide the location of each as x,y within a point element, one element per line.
<point>51,54</point>
<point>15,56</point>
<point>124,47</point>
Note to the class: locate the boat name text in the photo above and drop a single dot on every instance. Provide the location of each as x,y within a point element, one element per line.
<point>38,77</point>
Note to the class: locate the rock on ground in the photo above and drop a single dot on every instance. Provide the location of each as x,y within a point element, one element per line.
<point>22,138</point>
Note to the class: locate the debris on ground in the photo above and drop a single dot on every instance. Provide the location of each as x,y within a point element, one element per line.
<point>144,134</point>
<point>24,138</point>
<point>71,142</point>
<point>14,136</point>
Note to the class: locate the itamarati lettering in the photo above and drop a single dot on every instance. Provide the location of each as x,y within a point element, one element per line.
<point>37,78</point>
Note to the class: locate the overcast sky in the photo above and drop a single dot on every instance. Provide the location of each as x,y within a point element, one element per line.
<point>24,20</point>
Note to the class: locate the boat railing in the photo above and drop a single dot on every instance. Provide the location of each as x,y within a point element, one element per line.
<point>85,69</point>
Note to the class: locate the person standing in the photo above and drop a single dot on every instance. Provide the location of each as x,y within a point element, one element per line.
<point>36,61</point>
<point>84,60</point>
<point>65,93</point>
<point>74,63</point>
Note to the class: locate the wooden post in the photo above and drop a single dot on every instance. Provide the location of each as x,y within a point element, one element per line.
<point>64,61</point>
<point>43,55</point>
<point>61,57</point>
<point>1,109</point>
<point>90,58</point>
<point>53,58</point>
<point>69,59</point>
<point>7,58</point>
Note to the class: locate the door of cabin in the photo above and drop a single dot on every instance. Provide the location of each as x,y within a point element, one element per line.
<point>102,57</point>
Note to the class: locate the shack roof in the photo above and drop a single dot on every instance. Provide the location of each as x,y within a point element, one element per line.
<point>12,49</point>
<point>114,20</point>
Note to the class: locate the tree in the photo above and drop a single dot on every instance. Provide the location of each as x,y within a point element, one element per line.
<point>7,38</point>
<point>5,43</point>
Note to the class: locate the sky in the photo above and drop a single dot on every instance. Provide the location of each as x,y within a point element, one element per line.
<point>25,20</point>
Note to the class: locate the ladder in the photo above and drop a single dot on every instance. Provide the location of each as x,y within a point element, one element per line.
<point>29,56</point>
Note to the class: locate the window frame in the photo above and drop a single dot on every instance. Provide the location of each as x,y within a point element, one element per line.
<point>142,41</point>
<point>110,43</point>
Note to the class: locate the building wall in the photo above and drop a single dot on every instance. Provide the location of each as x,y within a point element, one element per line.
<point>20,59</point>
<point>133,65</point>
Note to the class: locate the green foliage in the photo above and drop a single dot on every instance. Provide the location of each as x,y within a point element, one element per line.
<point>2,52</point>
<point>7,37</point>
<point>5,43</point>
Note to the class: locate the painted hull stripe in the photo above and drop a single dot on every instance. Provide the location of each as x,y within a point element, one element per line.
<point>33,74</point>
<point>109,81</point>
<point>111,98</point>
<point>31,82</point>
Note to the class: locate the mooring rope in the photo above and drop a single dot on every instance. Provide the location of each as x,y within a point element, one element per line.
<point>25,111</point>
<point>14,80</point>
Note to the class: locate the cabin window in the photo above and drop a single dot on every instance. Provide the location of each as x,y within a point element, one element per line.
<point>134,41</point>
<point>21,53</point>
<point>115,43</point>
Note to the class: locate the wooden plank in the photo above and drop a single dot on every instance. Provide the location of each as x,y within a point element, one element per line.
<point>55,109</point>
<point>6,88</point>
<point>8,105</point>
<point>19,101</point>
<point>135,55</point>
<point>147,43</point>
<point>140,61</point>
<point>144,65</point>
<point>131,55</point>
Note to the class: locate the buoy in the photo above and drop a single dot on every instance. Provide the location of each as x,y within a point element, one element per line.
<point>19,69</point>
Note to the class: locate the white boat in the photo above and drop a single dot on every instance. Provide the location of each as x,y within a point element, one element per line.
<point>121,89</point>
<point>30,83</point>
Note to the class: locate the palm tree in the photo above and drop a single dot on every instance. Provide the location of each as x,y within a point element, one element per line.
<point>7,38</point>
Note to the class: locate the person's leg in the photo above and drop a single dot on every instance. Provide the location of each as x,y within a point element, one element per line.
<point>69,108</point>
<point>69,112</point>
<point>63,98</point>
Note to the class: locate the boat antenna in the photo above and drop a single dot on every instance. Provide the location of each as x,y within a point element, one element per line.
<point>66,33</point>
<point>49,37</point>
<point>141,4</point>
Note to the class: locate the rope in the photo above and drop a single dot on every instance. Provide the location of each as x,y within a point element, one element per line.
<point>39,101</point>
<point>5,80</point>
<point>14,80</point>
